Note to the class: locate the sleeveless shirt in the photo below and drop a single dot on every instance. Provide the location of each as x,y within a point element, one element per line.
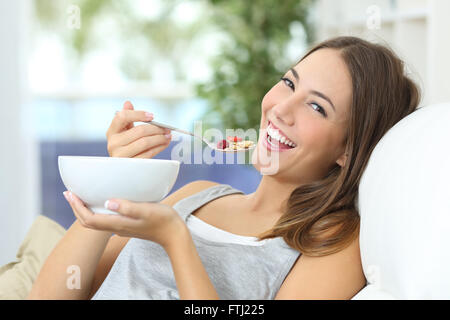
<point>237,270</point>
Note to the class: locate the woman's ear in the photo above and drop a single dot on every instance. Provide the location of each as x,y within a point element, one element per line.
<point>342,160</point>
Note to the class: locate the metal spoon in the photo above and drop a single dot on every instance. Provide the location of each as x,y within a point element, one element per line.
<point>210,144</point>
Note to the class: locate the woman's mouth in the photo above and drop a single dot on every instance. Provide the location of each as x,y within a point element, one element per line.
<point>276,141</point>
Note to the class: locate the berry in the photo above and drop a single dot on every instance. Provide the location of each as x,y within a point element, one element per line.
<point>222,144</point>
<point>234,139</point>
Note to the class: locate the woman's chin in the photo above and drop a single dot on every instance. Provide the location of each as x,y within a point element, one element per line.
<point>265,162</point>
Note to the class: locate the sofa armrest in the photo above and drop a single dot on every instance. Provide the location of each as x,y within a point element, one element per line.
<point>17,277</point>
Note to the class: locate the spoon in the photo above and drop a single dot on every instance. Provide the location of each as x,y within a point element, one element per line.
<point>210,144</point>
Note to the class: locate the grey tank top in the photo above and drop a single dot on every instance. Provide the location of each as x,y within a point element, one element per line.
<point>238,272</point>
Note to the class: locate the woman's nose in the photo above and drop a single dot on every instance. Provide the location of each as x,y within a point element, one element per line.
<point>284,112</point>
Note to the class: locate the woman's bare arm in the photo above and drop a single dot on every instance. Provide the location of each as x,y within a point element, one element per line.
<point>337,276</point>
<point>92,252</point>
<point>75,257</point>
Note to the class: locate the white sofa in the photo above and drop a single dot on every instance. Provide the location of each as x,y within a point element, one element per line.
<point>404,202</point>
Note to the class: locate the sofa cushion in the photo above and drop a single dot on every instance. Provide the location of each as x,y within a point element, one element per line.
<point>404,202</point>
<point>16,278</point>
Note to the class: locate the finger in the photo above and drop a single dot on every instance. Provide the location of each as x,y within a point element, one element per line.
<point>69,201</point>
<point>130,209</point>
<point>128,106</point>
<point>133,134</point>
<point>104,222</point>
<point>82,212</point>
<point>141,145</point>
<point>148,154</point>
<point>74,203</point>
<point>124,118</point>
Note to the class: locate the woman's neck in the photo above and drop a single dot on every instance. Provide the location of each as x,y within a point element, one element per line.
<point>270,196</point>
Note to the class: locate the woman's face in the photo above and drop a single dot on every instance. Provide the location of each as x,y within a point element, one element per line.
<point>310,106</point>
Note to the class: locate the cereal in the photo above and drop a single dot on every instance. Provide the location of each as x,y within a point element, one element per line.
<point>235,144</point>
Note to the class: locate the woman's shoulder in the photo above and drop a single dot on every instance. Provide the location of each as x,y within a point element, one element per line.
<point>188,190</point>
<point>336,276</point>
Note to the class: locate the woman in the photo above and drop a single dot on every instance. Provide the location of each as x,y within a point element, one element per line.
<point>295,237</point>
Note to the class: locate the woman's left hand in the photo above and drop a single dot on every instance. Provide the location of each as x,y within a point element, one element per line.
<point>156,222</point>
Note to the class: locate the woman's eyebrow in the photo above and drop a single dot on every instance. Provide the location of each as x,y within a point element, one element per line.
<point>294,73</point>
<point>314,92</point>
<point>321,95</point>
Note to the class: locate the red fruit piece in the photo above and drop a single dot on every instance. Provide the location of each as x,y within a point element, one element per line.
<point>222,144</point>
<point>234,139</point>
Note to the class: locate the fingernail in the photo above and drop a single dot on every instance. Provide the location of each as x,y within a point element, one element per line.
<point>149,116</point>
<point>68,196</point>
<point>111,205</point>
<point>168,136</point>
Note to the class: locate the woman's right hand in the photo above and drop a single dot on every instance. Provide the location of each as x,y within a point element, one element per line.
<point>143,141</point>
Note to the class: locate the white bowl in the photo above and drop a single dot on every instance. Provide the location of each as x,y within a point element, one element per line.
<point>97,179</point>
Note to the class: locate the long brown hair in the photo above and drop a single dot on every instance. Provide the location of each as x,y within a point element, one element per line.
<point>321,217</point>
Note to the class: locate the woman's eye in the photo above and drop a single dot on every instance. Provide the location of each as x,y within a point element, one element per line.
<point>319,109</point>
<point>289,83</point>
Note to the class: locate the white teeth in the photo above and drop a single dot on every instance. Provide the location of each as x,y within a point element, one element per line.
<point>274,134</point>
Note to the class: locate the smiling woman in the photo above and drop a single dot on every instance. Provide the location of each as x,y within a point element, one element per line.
<point>295,237</point>
<point>371,93</point>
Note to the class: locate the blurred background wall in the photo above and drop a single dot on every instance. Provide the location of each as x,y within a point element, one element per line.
<point>68,65</point>
<point>416,29</point>
<point>19,161</point>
